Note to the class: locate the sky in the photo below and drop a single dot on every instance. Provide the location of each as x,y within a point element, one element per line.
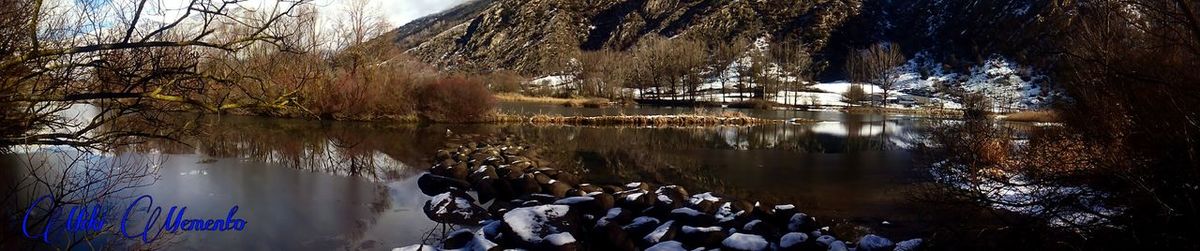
<point>397,12</point>
<point>400,12</point>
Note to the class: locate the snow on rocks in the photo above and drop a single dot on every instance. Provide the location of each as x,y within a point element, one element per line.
<point>539,226</point>
<point>539,208</point>
<point>454,207</point>
<point>745,242</point>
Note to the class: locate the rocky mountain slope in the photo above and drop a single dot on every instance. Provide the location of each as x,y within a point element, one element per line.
<point>954,39</point>
<point>533,36</point>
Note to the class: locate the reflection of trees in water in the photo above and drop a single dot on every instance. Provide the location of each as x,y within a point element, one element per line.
<point>74,178</point>
<point>365,150</point>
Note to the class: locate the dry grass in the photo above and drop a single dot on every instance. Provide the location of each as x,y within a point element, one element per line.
<point>699,119</point>
<point>931,112</point>
<point>754,104</point>
<point>516,97</point>
<point>1032,116</point>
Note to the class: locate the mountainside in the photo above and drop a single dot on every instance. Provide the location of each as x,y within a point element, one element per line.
<point>533,36</point>
<point>953,40</point>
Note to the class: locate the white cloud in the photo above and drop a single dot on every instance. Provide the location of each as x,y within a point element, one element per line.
<point>397,12</point>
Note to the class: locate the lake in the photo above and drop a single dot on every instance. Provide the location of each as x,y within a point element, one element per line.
<point>311,185</point>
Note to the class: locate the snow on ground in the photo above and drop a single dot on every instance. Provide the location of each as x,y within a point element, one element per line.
<point>1062,205</point>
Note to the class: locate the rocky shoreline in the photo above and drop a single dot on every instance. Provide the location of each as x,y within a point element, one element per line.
<point>536,207</point>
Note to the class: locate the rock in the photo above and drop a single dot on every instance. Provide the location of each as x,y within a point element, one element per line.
<point>582,204</point>
<point>826,240</point>
<point>796,241</point>
<point>569,178</point>
<point>666,231</point>
<point>838,246</point>
<point>638,185</point>
<point>546,227</point>
<point>465,240</point>
<point>486,189</point>
<point>611,236</point>
<point>634,199</point>
<point>416,248</point>
<point>641,226</point>
<point>556,188</point>
<point>727,212</point>
<point>542,178</point>
<point>691,217</point>
<point>671,196</point>
<point>454,207</point>
<point>909,245</point>
<point>760,228</point>
<point>432,184</point>
<point>872,242</point>
<point>801,222</point>
<point>482,172</point>
<point>701,236</point>
<point>526,185</point>
<point>667,246</point>
<point>745,242</point>
<point>491,230</point>
<point>615,216</point>
<point>459,171</point>
<point>606,201</point>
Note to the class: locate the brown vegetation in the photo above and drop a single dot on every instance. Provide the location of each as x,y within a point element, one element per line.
<point>700,119</point>
<point>1032,116</point>
<point>456,100</point>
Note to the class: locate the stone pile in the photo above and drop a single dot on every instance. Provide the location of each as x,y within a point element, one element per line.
<point>541,208</point>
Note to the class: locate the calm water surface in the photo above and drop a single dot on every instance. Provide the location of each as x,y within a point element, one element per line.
<point>307,185</point>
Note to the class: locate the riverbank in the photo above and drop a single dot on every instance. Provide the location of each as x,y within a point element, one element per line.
<point>540,207</point>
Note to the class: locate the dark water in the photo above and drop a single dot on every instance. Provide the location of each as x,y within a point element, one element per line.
<point>307,185</point>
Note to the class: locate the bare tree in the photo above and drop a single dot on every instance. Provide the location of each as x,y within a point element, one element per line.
<point>95,76</point>
<point>721,57</point>
<point>876,65</point>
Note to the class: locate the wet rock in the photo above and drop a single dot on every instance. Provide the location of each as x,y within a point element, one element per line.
<point>432,184</point>
<point>745,242</point>
<point>872,242</point>
<point>454,207</point>
<point>760,228</point>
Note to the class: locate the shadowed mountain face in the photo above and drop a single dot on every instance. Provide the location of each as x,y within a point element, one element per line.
<point>539,37</point>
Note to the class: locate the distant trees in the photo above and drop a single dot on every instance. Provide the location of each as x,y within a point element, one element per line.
<point>673,64</point>
<point>876,65</point>
<point>796,66</point>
